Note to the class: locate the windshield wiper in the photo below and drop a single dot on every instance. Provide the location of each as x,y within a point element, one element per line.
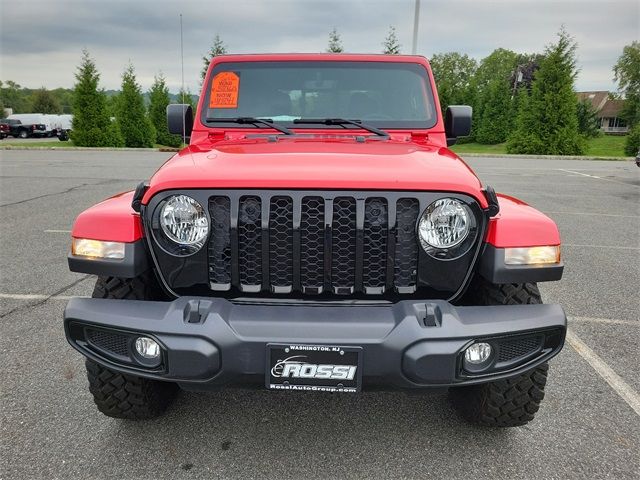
<point>252,121</point>
<point>343,122</point>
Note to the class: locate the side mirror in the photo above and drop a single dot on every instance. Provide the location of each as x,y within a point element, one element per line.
<point>457,122</point>
<point>180,119</point>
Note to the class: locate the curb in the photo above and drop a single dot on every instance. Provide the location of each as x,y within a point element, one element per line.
<point>546,157</point>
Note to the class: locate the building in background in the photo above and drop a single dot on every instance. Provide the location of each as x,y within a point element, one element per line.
<point>607,110</point>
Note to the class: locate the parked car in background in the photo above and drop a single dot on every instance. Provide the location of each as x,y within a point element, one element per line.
<point>37,124</point>
<point>19,129</point>
<point>61,125</point>
<point>4,130</point>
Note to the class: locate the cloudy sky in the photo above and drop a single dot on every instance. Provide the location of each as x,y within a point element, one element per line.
<point>41,41</point>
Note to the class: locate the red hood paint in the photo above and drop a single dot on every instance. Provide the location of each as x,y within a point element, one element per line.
<point>325,162</point>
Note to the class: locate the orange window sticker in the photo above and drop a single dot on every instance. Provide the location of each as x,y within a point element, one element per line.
<point>224,90</point>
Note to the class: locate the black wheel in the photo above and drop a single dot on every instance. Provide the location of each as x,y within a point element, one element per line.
<point>23,134</point>
<point>510,402</point>
<point>121,395</point>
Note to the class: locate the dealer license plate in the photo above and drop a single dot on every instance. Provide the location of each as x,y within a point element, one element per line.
<point>314,368</point>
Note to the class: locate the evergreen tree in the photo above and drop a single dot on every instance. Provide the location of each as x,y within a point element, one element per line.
<point>550,123</point>
<point>632,144</point>
<point>627,74</point>
<point>158,101</point>
<point>218,48</point>
<point>92,126</point>
<point>453,73</point>
<point>136,128</point>
<point>42,101</point>
<point>335,43</point>
<point>496,122</point>
<point>588,123</point>
<point>491,83</point>
<point>391,45</point>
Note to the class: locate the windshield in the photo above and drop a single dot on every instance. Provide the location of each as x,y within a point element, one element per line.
<point>387,95</point>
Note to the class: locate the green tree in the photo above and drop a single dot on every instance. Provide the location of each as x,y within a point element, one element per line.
<point>92,126</point>
<point>627,74</point>
<point>185,96</point>
<point>549,124</point>
<point>136,128</point>
<point>43,101</point>
<point>453,73</point>
<point>588,123</point>
<point>158,101</point>
<point>15,97</point>
<point>391,44</point>
<point>64,96</point>
<point>632,144</point>
<point>218,48</point>
<point>496,121</point>
<point>335,43</point>
<point>492,90</point>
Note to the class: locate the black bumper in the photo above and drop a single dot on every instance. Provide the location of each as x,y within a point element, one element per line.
<point>212,342</point>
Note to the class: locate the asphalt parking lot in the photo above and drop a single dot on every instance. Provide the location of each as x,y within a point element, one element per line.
<point>588,426</point>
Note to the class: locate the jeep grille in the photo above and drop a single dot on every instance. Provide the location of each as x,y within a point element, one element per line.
<point>313,244</point>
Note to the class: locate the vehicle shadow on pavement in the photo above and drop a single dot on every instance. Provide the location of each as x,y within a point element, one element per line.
<point>249,429</point>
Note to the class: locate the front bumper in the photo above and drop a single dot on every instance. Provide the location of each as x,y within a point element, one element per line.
<point>210,342</point>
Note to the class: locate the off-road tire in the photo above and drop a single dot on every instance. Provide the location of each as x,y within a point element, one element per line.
<point>121,395</point>
<point>511,402</point>
<point>142,287</point>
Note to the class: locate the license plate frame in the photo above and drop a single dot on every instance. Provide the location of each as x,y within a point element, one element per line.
<point>313,368</point>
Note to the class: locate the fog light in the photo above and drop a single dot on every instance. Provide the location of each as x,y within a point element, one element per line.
<point>477,353</point>
<point>147,348</point>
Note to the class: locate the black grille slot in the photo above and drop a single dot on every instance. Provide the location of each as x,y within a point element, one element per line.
<point>250,243</point>
<point>406,255</point>
<point>220,244</point>
<point>312,244</point>
<point>302,242</point>
<point>509,350</point>
<point>343,241</point>
<point>113,343</point>
<point>376,224</point>
<point>281,242</point>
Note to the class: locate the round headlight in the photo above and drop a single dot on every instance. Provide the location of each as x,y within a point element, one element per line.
<point>444,224</point>
<point>184,221</point>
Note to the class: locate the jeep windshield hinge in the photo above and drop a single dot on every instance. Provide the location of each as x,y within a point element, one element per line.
<point>492,200</point>
<point>141,189</point>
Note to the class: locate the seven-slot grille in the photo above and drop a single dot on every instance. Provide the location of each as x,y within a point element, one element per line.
<point>313,243</point>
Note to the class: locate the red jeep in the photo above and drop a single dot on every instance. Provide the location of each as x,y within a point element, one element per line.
<point>317,235</point>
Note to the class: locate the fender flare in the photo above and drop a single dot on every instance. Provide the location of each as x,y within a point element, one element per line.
<point>112,220</point>
<point>518,225</point>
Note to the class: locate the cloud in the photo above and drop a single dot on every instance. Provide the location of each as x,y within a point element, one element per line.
<point>44,48</point>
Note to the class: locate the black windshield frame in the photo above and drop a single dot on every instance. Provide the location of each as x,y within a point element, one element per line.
<point>429,97</point>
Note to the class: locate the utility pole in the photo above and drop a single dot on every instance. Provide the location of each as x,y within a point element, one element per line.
<point>416,22</point>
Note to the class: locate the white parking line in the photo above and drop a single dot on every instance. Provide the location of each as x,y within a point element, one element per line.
<point>57,231</point>
<point>610,247</point>
<point>595,176</point>
<point>592,214</point>
<point>609,321</point>
<point>622,388</point>
<point>34,296</point>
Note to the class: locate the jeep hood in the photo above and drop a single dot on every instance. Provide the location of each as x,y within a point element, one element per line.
<point>310,164</point>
